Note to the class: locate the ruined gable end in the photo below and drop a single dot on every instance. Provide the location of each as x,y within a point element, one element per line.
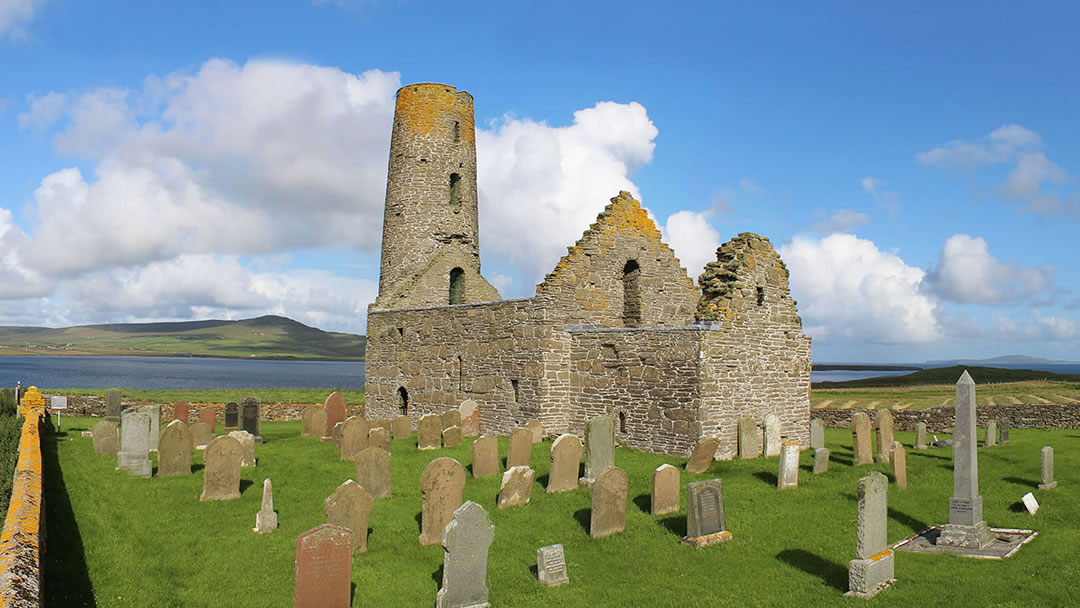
<point>747,281</point>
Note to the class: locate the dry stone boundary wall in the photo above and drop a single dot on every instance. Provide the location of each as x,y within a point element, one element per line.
<point>940,419</point>
<point>21,542</point>
<point>270,412</point>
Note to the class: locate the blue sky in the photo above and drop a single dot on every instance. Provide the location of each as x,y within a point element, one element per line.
<point>916,165</point>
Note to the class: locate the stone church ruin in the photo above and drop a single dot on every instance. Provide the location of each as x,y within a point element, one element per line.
<point>617,328</point>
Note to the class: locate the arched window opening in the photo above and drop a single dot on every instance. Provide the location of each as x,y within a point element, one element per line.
<point>631,294</point>
<point>457,286</point>
<point>455,189</point>
<point>622,422</point>
<point>403,401</point>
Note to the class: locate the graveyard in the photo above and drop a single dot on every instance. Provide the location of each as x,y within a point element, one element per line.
<point>115,539</point>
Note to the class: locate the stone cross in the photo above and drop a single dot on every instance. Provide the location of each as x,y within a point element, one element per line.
<point>221,474</point>
<point>373,472</point>
<point>860,438</point>
<point>772,435</point>
<point>247,442</point>
<point>665,490</point>
<point>991,433</point>
<point>429,433</point>
<point>920,436</point>
<point>817,434</point>
<point>401,427</point>
<point>872,569</point>
<point>519,448</point>
<point>134,455</point>
<point>821,460</point>
<point>551,566</point>
<point>452,437</point>
<point>899,465</point>
<point>705,522</point>
<point>485,456</point>
<point>334,408</point>
<point>884,423</point>
<point>788,476</point>
<point>112,405</point>
<point>749,439</point>
<point>323,577</point>
<point>516,487</point>
<point>232,417</point>
<point>174,450</point>
<point>201,435</point>
<point>442,484</point>
<point>266,518</point>
<point>181,411</point>
<point>599,447</point>
<point>349,507</point>
<point>466,538</point>
<point>209,416</point>
<point>565,461</point>
<point>450,418</point>
<point>1004,429</point>
<point>536,429</point>
<point>1048,482</point>
<point>609,503</point>
<point>250,415</point>
<point>470,418</point>
<point>105,438</point>
<point>966,527</point>
<point>702,456</point>
<point>354,437</point>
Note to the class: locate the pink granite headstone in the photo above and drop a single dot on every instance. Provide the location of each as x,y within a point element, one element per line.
<point>209,416</point>
<point>323,568</point>
<point>181,411</point>
<point>335,413</point>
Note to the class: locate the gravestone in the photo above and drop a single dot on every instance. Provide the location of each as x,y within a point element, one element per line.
<point>772,435</point>
<point>335,435</point>
<point>519,449</point>
<point>551,566</point>
<point>516,487</point>
<point>860,439</point>
<point>349,507</point>
<point>450,418</point>
<point>379,438</point>
<point>1030,503</point>
<point>821,460</point>
<point>266,518</point>
<point>174,450</point>
<point>470,418</point>
<point>306,429</point>
<point>817,434</point>
<point>705,521</point>
<point>872,569</point>
<point>599,447</point>
<point>323,573</point>
<point>181,411</point>
<point>885,436</point>
<point>354,437</point>
<point>1048,482</point>
<point>749,439</point>
<point>112,405</point>
<point>899,465</point>
<point>429,433</point>
<point>250,415</point>
<point>247,442</point>
<point>134,454</point>
<point>334,408</point>
<point>442,484</point>
<point>920,436</point>
<point>373,472</point>
<point>232,417</point>
<point>1003,428</point>
<point>154,412</point>
<point>702,456</point>
<point>201,435</point>
<point>565,462</point>
<point>608,503</point>
<point>536,428</point>
<point>221,474</point>
<point>788,476</point>
<point>466,539</point>
<point>966,527</point>
<point>385,423</point>
<point>485,456</point>
<point>208,415</point>
<point>451,437</point>
<point>991,433</point>
<point>401,427</point>
<point>318,422</point>
<point>106,440</point>
<point>665,490</point>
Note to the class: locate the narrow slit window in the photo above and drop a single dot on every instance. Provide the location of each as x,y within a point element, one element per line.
<point>457,131</point>
<point>631,294</point>
<point>457,286</point>
<point>622,422</point>
<point>455,189</point>
<point>517,390</point>
<point>459,380</point>
<point>760,296</point>
<point>403,401</point>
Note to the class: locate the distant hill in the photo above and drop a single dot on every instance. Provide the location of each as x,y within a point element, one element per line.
<point>266,337</point>
<point>949,375</point>
<point>1003,360</point>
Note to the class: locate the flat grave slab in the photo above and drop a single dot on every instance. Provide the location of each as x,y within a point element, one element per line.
<point>1007,541</point>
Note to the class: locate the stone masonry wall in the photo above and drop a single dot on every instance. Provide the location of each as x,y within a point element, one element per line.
<point>87,405</point>
<point>940,419</point>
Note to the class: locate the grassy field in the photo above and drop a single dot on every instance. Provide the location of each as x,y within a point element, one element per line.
<point>930,395</point>
<point>225,395</point>
<point>119,541</point>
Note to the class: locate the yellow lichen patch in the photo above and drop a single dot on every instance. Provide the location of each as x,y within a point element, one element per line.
<point>20,551</point>
<point>424,108</point>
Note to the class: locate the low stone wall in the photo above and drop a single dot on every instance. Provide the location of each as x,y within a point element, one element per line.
<point>940,419</point>
<point>20,544</point>
<point>274,412</point>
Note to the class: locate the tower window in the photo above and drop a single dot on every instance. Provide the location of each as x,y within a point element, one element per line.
<point>631,294</point>
<point>457,286</point>
<point>622,422</point>
<point>403,401</point>
<point>760,296</point>
<point>517,390</point>
<point>457,131</point>
<point>455,189</point>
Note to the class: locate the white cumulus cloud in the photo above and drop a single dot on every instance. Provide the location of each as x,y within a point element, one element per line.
<point>693,238</point>
<point>967,272</point>
<point>14,14</point>
<point>841,221</point>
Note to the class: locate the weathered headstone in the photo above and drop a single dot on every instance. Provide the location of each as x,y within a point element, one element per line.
<point>609,503</point>
<point>247,442</point>
<point>349,507</point>
<point>470,418</point>
<point>232,417</point>
<point>705,522</point>
<point>485,456</point>
<point>385,423</point>
<point>106,440</point>
<point>379,438</point>
<point>551,566</point>
<point>516,487</point>
<point>112,405</point>
<point>899,465</point>
<point>450,418</point>
<point>536,428</point>
<point>401,427</point>
<point>442,484</point>
<point>306,429</point>
<point>318,422</point>
<point>702,456</point>
<point>821,460</point>
<point>749,439</point>
<point>565,462</point>
<point>1003,428</point>
<point>354,437</point>
<point>817,434</point>
<point>1030,503</point>
<point>991,433</point>
<point>519,449</point>
<point>154,411</point>
<point>208,415</point>
<point>966,527</point>
<point>466,539</point>
<point>266,518</point>
<point>1048,482</point>
<point>665,490</point>
<point>788,476</point>
<point>336,435</point>
<point>221,475</point>
<point>373,472</point>
<point>883,420</point>
<point>451,437</point>
<point>599,447</point>
<point>174,450</point>
<point>772,435</point>
<point>920,436</point>
<point>860,439</point>
<point>323,576</point>
<point>872,569</point>
<point>134,454</point>
<point>250,415</point>
<point>181,411</point>
<point>429,433</point>
<point>334,408</point>
<point>201,435</point>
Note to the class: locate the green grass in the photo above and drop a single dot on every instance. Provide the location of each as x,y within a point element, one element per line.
<point>150,542</point>
<point>931,395</point>
<point>266,395</point>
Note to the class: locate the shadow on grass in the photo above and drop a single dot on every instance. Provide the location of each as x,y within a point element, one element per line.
<point>420,522</point>
<point>67,581</point>
<point>1027,483</point>
<point>583,517</point>
<point>437,576</point>
<point>915,525</point>
<point>1018,507</point>
<point>834,575</point>
<point>644,502</point>
<point>675,524</point>
<point>543,480</point>
<point>352,594</point>
<point>923,454</point>
<point>195,468</point>
<point>841,460</point>
<point>245,484</point>
<point>767,477</point>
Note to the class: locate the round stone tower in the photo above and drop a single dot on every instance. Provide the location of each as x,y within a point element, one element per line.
<point>430,246</point>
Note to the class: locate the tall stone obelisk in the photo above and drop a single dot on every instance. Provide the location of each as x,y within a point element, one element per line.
<point>966,528</point>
